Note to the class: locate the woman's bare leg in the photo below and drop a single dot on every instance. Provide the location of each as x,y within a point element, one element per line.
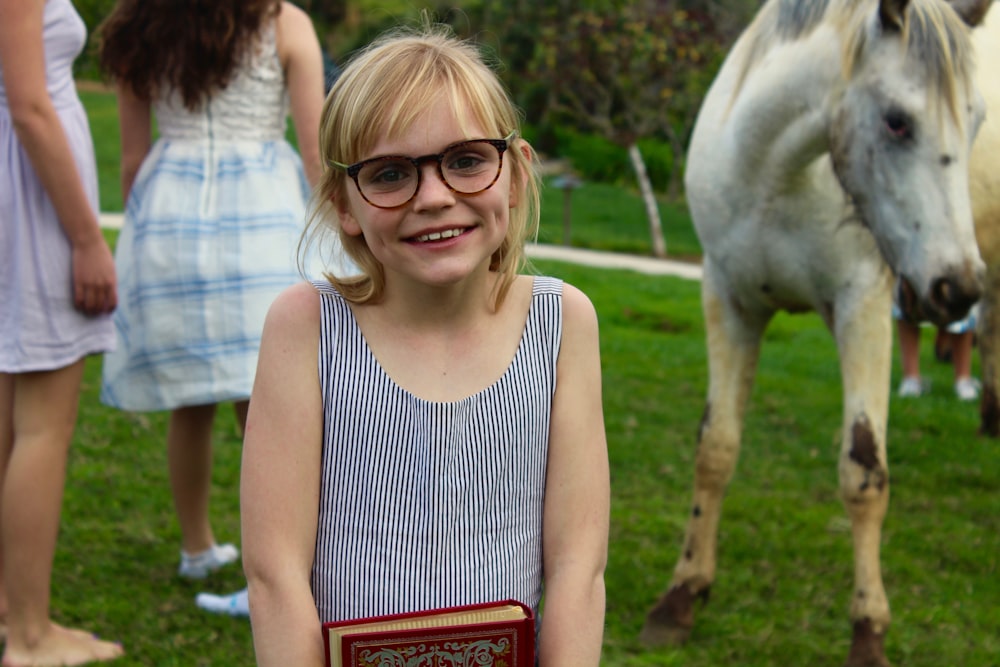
<point>6,443</point>
<point>961,346</point>
<point>37,417</point>
<point>189,452</point>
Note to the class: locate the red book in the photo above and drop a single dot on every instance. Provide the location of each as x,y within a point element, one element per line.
<point>500,634</point>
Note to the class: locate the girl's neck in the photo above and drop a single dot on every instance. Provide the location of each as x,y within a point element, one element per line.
<point>458,305</point>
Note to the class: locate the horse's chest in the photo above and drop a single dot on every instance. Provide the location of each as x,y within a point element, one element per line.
<point>772,264</point>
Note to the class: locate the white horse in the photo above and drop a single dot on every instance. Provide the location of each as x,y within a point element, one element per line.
<point>830,157</point>
<point>984,184</point>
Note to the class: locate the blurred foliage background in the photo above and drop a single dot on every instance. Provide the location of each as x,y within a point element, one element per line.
<point>593,77</point>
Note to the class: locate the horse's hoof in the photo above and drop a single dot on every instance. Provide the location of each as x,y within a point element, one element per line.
<point>669,623</point>
<point>654,636</point>
<point>658,635</point>
<point>867,647</point>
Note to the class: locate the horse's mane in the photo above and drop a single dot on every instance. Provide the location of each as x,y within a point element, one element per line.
<point>935,37</point>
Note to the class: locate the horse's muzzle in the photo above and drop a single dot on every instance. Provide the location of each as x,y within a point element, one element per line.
<point>948,300</point>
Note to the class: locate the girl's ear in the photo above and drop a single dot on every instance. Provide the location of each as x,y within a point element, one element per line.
<point>518,185</point>
<point>344,216</point>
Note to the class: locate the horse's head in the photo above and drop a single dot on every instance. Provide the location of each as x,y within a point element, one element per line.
<point>901,132</point>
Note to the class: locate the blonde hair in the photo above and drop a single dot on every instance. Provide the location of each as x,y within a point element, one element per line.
<point>381,92</point>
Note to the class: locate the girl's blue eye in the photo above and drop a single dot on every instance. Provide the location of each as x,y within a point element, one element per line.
<point>465,162</point>
<point>470,158</point>
<point>386,174</point>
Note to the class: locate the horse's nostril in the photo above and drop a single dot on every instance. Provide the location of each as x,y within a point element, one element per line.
<point>952,298</point>
<point>943,291</point>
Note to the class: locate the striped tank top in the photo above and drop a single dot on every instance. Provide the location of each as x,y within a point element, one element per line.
<point>424,504</point>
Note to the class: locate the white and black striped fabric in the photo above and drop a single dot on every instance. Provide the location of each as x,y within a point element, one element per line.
<point>426,505</point>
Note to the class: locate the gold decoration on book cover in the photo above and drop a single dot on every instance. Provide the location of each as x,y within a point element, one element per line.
<point>478,653</point>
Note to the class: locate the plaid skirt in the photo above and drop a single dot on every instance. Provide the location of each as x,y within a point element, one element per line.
<point>209,239</point>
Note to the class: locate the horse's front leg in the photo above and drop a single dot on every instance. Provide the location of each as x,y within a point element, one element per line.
<point>989,352</point>
<point>733,346</point>
<point>863,329</point>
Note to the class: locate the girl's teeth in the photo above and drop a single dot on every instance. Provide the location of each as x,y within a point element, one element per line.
<point>437,236</point>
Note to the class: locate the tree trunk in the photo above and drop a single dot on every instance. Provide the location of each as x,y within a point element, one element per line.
<point>652,211</point>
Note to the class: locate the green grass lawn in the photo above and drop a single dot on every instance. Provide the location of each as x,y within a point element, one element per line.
<point>784,580</point>
<point>102,112</point>
<point>785,563</point>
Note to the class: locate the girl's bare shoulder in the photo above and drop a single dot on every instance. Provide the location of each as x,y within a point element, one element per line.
<point>295,307</point>
<point>293,20</point>
<point>578,310</point>
<point>576,304</point>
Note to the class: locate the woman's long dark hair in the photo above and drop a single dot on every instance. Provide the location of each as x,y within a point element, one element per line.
<point>191,46</point>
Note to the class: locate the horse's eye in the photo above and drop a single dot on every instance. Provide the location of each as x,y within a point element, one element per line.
<point>898,125</point>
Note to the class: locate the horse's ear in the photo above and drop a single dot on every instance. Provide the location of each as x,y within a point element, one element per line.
<point>891,13</point>
<point>971,11</point>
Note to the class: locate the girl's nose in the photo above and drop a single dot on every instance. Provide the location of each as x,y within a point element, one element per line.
<point>433,191</point>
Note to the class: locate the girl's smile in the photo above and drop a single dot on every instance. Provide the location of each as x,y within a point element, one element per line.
<point>438,236</point>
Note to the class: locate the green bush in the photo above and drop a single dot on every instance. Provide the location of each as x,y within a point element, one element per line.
<point>597,159</point>
<point>659,160</point>
<point>593,158</point>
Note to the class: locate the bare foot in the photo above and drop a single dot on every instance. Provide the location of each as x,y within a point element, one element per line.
<point>62,647</point>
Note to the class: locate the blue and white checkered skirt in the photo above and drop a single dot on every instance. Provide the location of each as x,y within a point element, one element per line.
<point>209,240</point>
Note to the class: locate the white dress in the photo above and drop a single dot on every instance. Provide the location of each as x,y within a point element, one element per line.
<point>209,239</point>
<point>39,327</point>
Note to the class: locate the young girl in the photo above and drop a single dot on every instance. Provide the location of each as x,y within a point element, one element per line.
<point>429,433</point>
<point>215,210</point>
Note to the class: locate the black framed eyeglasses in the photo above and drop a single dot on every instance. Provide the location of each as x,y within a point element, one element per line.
<point>467,168</point>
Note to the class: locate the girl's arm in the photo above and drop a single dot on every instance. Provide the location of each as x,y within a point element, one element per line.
<point>136,132</point>
<point>41,133</point>
<point>302,59</point>
<point>279,487</point>
<point>577,497</point>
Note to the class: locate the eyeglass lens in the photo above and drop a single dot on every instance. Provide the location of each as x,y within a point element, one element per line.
<point>468,168</point>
